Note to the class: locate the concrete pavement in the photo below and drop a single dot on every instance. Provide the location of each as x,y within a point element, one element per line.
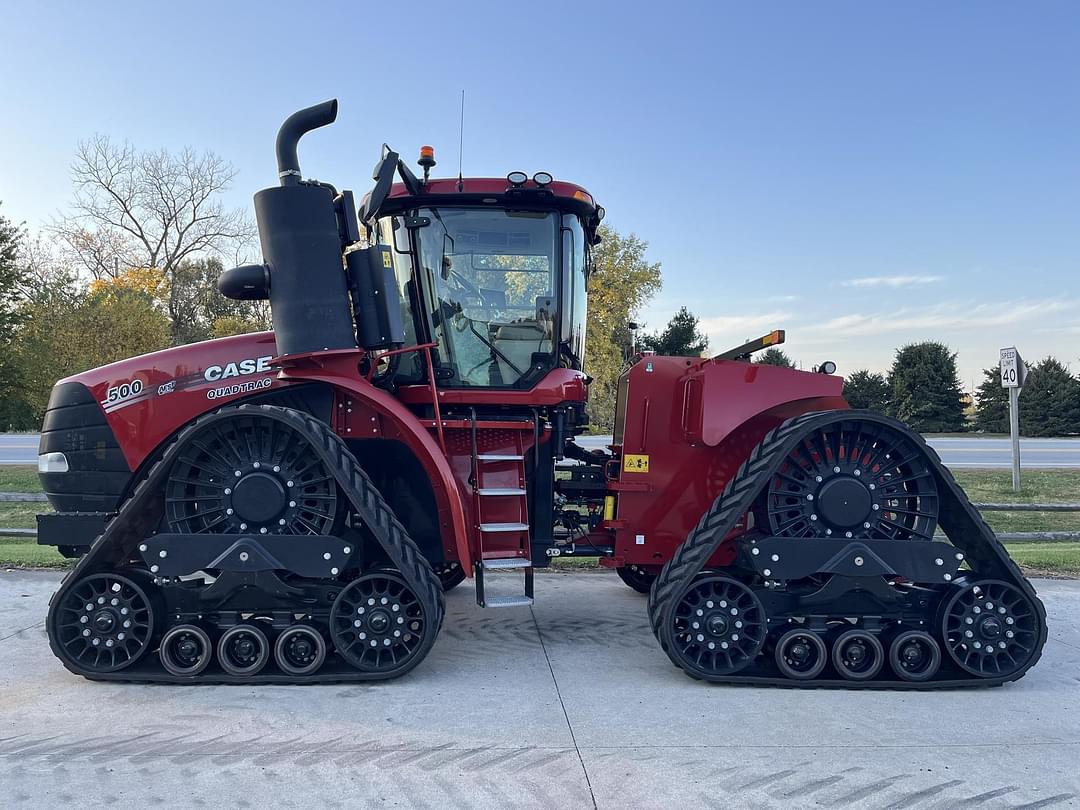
<point>571,704</point>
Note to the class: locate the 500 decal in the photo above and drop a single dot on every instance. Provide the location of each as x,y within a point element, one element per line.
<point>238,388</point>
<point>119,393</point>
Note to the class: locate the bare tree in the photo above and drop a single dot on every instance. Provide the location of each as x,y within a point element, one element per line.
<point>150,209</point>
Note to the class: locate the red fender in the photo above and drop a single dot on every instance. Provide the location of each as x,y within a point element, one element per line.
<point>372,410</point>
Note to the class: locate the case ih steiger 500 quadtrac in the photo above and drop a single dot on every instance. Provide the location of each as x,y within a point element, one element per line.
<point>290,506</point>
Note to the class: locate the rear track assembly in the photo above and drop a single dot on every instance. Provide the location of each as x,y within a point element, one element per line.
<point>844,585</point>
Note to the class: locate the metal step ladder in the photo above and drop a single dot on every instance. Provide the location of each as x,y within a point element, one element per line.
<point>508,557</point>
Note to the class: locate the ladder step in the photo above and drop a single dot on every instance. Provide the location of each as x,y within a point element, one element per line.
<point>507,601</point>
<point>501,491</point>
<point>506,562</point>
<point>499,457</point>
<point>492,528</point>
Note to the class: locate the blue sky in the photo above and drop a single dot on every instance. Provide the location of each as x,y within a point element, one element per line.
<point>861,174</point>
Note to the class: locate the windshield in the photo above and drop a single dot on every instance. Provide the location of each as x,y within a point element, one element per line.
<point>490,282</point>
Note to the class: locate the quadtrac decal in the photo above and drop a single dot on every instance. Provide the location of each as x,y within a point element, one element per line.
<point>244,387</point>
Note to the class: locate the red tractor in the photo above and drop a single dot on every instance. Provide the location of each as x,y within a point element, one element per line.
<point>290,506</point>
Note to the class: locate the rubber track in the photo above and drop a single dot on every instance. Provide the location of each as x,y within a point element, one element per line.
<point>139,515</point>
<point>963,524</point>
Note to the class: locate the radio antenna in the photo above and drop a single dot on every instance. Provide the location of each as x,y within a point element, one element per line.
<point>461,142</point>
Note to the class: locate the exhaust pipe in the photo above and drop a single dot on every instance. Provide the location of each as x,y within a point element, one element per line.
<point>294,128</point>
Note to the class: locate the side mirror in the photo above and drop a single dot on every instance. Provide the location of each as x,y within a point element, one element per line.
<point>384,178</point>
<point>248,282</point>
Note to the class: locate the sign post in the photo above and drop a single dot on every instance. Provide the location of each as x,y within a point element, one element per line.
<point>1013,374</point>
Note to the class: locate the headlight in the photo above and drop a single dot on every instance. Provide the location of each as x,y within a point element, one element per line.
<point>52,462</point>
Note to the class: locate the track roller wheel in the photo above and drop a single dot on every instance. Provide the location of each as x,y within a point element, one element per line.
<point>717,628</point>
<point>243,650</point>
<point>801,654</point>
<point>186,650</point>
<point>857,655</point>
<point>990,628</point>
<point>636,577</point>
<point>378,625</point>
<point>103,624</point>
<point>450,574</point>
<point>300,650</point>
<point>915,655</point>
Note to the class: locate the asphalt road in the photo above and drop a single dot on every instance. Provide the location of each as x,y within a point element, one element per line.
<point>21,448</point>
<point>974,451</point>
<point>568,705</point>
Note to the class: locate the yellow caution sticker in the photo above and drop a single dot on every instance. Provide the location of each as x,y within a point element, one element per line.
<point>386,260</point>
<point>635,463</point>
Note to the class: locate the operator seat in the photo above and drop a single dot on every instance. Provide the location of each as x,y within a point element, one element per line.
<point>520,339</point>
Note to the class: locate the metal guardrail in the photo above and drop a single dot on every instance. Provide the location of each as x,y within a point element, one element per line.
<point>1008,537</point>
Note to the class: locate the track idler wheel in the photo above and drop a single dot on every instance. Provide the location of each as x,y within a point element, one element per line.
<point>243,650</point>
<point>378,625</point>
<point>801,654</point>
<point>717,628</point>
<point>103,624</point>
<point>857,655</point>
<point>915,655</point>
<point>990,628</point>
<point>186,650</point>
<point>636,577</point>
<point>300,650</point>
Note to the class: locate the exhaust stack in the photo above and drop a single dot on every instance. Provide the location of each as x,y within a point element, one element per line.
<point>295,127</point>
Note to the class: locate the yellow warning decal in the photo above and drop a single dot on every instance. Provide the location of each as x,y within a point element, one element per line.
<point>386,260</point>
<point>635,463</point>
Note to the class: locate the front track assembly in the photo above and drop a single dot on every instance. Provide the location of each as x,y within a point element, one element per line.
<point>255,550</point>
<point>842,583</point>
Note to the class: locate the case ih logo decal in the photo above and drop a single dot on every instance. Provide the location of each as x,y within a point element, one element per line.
<point>135,390</point>
<point>253,365</point>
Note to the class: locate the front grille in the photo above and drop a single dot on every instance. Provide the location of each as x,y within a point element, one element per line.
<point>98,473</point>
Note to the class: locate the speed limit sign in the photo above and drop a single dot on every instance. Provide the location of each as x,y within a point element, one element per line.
<point>1013,370</point>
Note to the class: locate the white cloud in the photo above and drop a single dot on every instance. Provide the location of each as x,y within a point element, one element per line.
<point>750,325</point>
<point>891,281</point>
<point>946,317</point>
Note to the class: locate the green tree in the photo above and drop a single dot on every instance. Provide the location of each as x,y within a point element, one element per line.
<point>680,337</point>
<point>201,312</point>
<point>621,282</point>
<point>12,278</point>
<point>992,403</point>
<point>866,389</point>
<point>774,357</point>
<point>66,329</point>
<point>924,389</point>
<point>1050,400</point>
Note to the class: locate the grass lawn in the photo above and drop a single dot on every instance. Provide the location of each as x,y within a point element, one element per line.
<point>19,479</point>
<point>986,486</point>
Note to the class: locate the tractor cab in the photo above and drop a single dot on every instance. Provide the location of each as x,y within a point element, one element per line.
<point>491,271</point>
